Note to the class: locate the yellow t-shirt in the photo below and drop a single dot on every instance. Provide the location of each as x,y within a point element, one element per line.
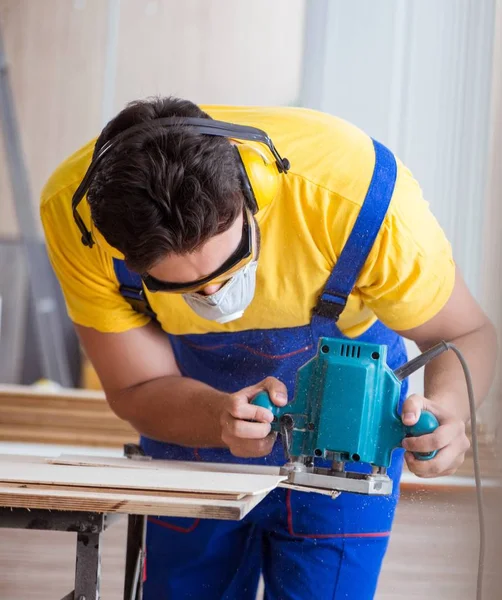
<point>407,279</point>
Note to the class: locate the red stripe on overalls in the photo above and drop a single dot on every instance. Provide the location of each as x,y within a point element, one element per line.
<point>248,348</point>
<point>174,527</point>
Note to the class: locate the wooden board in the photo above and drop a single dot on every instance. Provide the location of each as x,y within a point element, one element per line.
<point>63,416</point>
<point>125,474</point>
<point>63,437</point>
<point>58,489</point>
<point>156,464</point>
<point>26,394</point>
<point>172,504</point>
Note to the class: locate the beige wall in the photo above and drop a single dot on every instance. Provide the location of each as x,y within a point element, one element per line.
<point>211,51</point>
<point>491,412</point>
<point>54,52</point>
<point>74,63</point>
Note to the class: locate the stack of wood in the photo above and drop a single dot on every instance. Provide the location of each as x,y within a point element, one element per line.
<point>65,417</point>
<point>107,484</point>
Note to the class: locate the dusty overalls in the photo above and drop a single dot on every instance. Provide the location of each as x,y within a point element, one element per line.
<point>307,546</point>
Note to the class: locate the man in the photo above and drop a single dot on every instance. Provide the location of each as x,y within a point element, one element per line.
<point>202,268</point>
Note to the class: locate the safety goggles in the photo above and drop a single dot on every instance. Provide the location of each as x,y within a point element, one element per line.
<point>242,256</point>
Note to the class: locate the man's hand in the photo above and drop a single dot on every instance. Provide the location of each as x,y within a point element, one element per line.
<point>243,437</point>
<point>449,439</point>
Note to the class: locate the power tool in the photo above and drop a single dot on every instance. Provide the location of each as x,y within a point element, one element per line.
<point>345,410</point>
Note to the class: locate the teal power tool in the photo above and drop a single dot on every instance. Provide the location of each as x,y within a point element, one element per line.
<point>345,410</point>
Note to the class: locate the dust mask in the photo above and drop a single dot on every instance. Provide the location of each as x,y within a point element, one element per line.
<point>230,301</point>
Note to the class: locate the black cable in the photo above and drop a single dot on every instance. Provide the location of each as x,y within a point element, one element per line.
<point>419,361</point>
<point>477,470</point>
<point>405,371</point>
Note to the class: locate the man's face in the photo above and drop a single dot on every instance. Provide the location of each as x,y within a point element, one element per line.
<point>204,261</point>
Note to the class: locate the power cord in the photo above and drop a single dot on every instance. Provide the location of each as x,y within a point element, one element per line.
<point>477,470</point>
<point>405,371</point>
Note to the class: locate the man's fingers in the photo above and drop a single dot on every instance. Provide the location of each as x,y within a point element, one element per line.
<point>240,408</point>
<point>246,430</point>
<point>415,404</point>
<point>276,390</point>
<point>412,407</point>
<point>246,427</point>
<point>423,469</point>
<point>252,448</point>
<point>239,403</point>
<point>446,460</point>
<point>436,440</point>
<point>250,412</point>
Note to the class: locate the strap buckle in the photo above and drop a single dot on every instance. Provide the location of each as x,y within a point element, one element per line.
<point>332,308</point>
<point>137,300</point>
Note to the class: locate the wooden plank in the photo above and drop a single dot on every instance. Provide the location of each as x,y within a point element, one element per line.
<point>173,476</point>
<point>122,462</point>
<point>35,435</point>
<point>24,415</point>
<point>176,505</point>
<point>66,416</point>
<point>58,489</point>
<point>155,487</point>
<point>33,392</point>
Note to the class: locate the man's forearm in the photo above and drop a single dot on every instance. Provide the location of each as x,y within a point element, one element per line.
<point>444,378</point>
<point>173,409</point>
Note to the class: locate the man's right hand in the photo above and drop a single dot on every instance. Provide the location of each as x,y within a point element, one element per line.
<point>246,428</point>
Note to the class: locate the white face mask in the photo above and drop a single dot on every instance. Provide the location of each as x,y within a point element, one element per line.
<point>230,301</point>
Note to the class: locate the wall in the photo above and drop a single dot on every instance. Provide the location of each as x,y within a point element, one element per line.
<point>55,52</point>
<point>74,63</point>
<point>492,240</point>
<point>217,51</point>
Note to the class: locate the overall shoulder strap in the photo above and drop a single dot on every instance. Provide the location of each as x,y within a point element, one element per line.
<point>131,288</point>
<point>333,299</point>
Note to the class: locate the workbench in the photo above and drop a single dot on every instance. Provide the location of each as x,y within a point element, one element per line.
<point>85,495</point>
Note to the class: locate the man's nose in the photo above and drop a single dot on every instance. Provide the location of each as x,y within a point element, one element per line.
<point>211,289</point>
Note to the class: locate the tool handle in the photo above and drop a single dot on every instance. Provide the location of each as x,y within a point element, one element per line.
<point>427,423</point>
<point>263,399</point>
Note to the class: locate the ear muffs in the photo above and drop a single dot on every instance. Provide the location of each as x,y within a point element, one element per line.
<point>260,176</point>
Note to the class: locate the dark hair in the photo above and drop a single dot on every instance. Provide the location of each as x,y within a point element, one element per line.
<point>168,189</point>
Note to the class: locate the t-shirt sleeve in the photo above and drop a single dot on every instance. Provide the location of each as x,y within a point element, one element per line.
<point>86,276</point>
<point>410,272</point>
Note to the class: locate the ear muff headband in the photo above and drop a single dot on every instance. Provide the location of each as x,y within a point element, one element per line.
<point>258,179</point>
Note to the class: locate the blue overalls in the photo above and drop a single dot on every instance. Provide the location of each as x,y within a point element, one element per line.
<point>306,545</point>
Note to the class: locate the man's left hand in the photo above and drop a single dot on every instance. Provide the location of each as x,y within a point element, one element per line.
<point>449,439</point>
